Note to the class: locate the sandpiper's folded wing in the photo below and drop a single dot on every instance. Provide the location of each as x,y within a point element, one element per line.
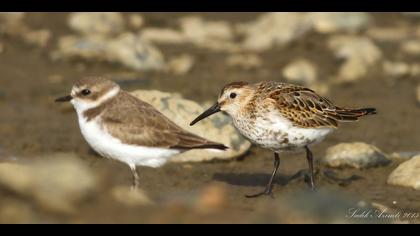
<point>305,108</point>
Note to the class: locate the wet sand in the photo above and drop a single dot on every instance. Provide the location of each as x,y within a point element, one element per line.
<point>31,124</point>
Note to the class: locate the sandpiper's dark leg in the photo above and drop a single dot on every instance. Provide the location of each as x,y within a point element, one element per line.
<point>269,187</point>
<point>309,157</point>
<point>136,179</point>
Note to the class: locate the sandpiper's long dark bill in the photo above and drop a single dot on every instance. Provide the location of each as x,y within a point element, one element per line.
<point>120,126</point>
<point>281,117</point>
<point>212,110</point>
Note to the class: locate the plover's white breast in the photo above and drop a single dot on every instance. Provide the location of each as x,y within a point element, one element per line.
<point>110,147</point>
<point>279,134</point>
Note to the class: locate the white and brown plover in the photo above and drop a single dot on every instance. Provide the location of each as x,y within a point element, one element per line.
<point>119,126</point>
<point>281,117</point>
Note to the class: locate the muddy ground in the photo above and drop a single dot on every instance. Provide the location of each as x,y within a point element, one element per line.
<point>31,124</point>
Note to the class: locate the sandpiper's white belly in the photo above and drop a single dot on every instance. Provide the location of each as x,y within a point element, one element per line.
<point>110,147</point>
<point>277,133</point>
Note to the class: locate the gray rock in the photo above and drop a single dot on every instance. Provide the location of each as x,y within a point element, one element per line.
<point>300,71</point>
<point>320,87</point>
<point>130,197</point>
<point>400,69</point>
<point>245,61</point>
<point>272,29</point>
<point>304,72</point>
<point>396,69</point>
<point>389,34</point>
<point>13,25</point>
<point>56,182</point>
<point>407,174</point>
<point>93,23</point>
<point>268,30</point>
<point>197,29</point>
<point>359,53</point>
<point>181,64</point>
<point>103,39</point>
<point>411,47</point>
<point>136,21</point>
<point>39,38</point>
<point>212,35</point>
<point>403,155</point>
<point>162,35</point>
<point>88,48</point>
<point>330,22</point>
<point>127,49</point>
<point>133,52</point>
<point>355,155</point>
<point>216,128</point>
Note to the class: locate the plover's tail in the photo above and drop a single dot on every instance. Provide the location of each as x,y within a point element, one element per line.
<point>218,146</point>
<point>353,114</point>
<point>187,140</point>
<point>211,146</point>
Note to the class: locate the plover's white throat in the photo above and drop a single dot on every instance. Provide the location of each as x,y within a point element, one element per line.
<point>281,117</point>
<point>119,126</point>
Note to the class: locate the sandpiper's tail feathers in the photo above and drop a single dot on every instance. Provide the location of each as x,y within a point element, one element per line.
<point>353,114</point>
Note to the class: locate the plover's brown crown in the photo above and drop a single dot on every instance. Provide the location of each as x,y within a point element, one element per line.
<point>300,105</point>
<point>98,85</point>
<point>135,122</point>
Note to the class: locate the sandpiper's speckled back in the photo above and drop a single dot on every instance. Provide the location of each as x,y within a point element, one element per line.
<point>283,116</point>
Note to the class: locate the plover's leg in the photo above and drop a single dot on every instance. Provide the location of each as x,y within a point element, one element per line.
<point>269,188</point>
<point>136,179</point>
<point>309,157</point>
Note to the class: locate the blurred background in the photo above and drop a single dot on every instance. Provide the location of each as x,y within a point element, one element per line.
<point>179,62</point>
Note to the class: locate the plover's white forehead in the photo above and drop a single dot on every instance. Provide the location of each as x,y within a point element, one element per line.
<point>76,90</point>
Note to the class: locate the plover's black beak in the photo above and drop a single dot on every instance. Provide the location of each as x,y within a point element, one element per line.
<point>214,109</point>
<point>67,98</point>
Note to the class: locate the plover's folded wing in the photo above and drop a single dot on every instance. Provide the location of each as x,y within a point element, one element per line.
<point>146,126</point>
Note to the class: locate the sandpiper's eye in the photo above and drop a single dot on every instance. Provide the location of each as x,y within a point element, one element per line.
<point>85,92</point>
<point>232,95</point>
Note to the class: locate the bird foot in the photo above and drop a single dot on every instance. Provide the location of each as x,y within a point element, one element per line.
<point>267,192</point>
<point>329,175</point>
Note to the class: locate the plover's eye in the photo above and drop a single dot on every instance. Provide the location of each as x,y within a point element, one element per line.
<point>85,92</point>
<point>232,95</point>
